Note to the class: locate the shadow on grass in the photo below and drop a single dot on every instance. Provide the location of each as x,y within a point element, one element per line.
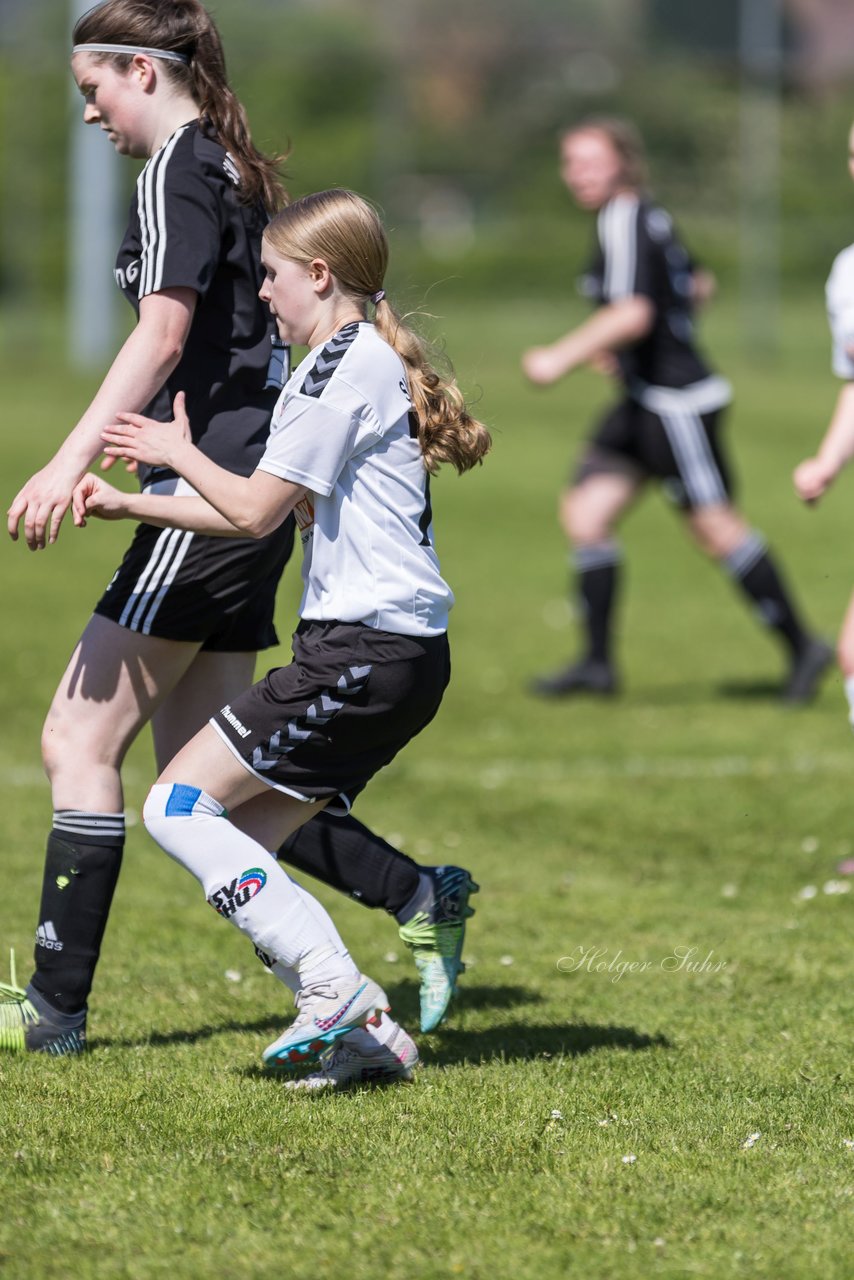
<point>447,1046</point>
<point>751,690</point>
<point>272,1026</point>
<point>687,694</point>
<point>698,693</point>
<point>403,997</point>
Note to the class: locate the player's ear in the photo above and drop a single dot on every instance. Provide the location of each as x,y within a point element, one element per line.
<point>142,68</point>
<point>319,274</point>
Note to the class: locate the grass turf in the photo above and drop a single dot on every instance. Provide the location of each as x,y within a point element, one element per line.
<point>588,1107</point>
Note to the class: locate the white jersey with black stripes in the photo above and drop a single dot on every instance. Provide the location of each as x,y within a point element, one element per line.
<point>839,295</point>
<point>343,427</point>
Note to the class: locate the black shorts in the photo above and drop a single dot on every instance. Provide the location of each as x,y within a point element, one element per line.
<point>186,586</point>
<point>682,449</point>
<point>351,698</point>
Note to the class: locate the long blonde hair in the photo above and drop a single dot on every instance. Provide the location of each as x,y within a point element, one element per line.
<point>345,231</point>
<point>185,26</point>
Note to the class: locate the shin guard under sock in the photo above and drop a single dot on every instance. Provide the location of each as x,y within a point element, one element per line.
<point>849,694</point>
<point>84,857</point>
<point>348,856</point>
<point>598,573</point>
<point>752,567</point>
<point>242,882</point>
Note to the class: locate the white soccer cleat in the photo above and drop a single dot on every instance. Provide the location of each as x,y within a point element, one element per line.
<point>358,1058</point>
<point>326,1013</point>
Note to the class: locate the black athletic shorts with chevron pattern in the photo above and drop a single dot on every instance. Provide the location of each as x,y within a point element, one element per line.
<point>320,728</point>
<point>186,586</point>
<point>684,450</point>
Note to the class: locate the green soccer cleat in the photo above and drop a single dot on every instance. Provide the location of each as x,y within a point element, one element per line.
<point>29,1025</point>
<point>435,934</point>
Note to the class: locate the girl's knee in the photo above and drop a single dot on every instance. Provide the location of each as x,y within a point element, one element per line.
<point>65,745</point>
<point>581,520</point>
<point>845,655</point>
<point>168,800</point>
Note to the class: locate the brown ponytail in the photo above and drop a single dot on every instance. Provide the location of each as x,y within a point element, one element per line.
<point>345,231</point>
<point>185,26</point>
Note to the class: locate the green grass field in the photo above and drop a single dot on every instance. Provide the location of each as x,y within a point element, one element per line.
<point>568,1121</point>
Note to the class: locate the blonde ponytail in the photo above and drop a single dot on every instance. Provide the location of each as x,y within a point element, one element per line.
<point>345,231</point>
<point>446,430</point>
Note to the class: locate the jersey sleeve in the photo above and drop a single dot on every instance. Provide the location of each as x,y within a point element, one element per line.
<point>311,442</point>
<point>179,222</point>
<point>590,283</point>
<point>629,253</point>
<point>839,295</point>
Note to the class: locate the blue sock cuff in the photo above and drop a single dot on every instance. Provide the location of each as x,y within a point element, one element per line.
<point>178,800</point>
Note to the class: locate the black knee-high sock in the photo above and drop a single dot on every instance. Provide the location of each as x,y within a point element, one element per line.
<point>752,567</point>
<point>344,853</point>
<point>84,857</point>
<point>598,572</point>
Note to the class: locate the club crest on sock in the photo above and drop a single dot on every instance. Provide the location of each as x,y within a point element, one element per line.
<point>228,897</point>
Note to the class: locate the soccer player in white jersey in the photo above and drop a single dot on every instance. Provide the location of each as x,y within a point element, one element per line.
<point>667,424</point>
<point>177,630</point>
<point>360,426</point>
<point>814,476</point>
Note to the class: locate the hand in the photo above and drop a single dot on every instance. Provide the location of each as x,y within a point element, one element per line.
<point>107,464</point>
<point>704,286</point>
<point>138,439</point>
<point>543,365</point>
<point>94,497</point>
<point>812,478</point>
<point>605,362</point>
<point>42,503</point>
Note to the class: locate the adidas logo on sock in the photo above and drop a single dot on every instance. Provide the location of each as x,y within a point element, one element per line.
<point>46,937</point>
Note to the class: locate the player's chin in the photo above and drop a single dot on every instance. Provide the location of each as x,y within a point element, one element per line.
<point>588,200</point>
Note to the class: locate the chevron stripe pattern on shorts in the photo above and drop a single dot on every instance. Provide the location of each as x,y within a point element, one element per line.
<point>318,713</point>
<point>327,362</point>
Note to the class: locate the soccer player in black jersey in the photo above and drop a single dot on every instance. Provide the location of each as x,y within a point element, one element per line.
<point>667,424</point>
<point>176,632</point>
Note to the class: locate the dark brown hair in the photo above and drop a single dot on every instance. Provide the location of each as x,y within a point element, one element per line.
<point>346,232</point>
<point>185,26</point>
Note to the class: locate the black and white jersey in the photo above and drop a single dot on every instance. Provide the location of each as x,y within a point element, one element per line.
<point>188,229</point>
<point>839,295</point>
<point>638,253</point>
<point>344,429</point>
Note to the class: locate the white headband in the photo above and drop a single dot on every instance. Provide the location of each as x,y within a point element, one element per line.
<point>166,54</point>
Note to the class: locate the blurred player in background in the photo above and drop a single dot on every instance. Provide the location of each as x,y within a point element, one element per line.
<point>814,475</point>
<point>667,424</point>
<point>176,633</point>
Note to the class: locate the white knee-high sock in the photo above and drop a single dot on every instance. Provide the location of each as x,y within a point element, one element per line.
<point>243,883</point>
<point>383,1031</point>
<point>289,976</point>
<point>849,694</point>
